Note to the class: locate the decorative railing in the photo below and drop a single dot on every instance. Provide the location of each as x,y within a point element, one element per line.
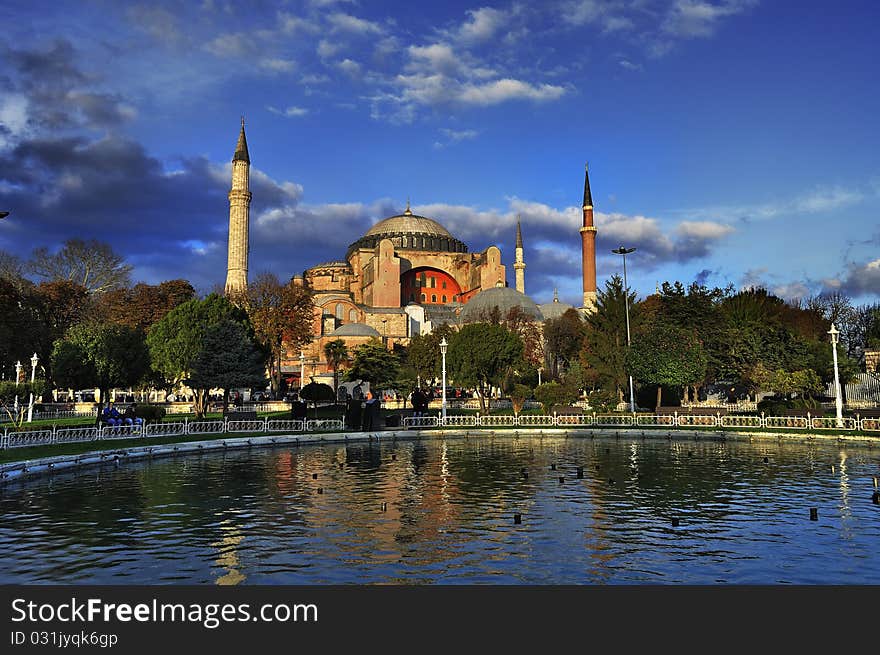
<point>420,421</point>
<point>41,437</point>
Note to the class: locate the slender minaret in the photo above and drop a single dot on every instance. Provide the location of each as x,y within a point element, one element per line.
<point>519,265</point>
<point>588,245</point>
<point>239,218</point>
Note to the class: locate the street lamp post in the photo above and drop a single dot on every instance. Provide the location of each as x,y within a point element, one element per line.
<point>384,333</point>
<point>302,369</point>
<point>443,347</point>
<point>838,401</point>
<point>34,361</point>
<point>624,252</point>
<point>540,369</point>
<point>17,378</point>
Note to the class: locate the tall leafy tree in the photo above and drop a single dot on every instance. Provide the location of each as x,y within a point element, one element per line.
<point>90,264</point>
<point>374,363</point>
<point>423,353</point>
<point>603,355</point>
<point>105,356</point>
<point>563,338</point>
<point>281,314</point>
<point>229,358</point>
<point>336,353</point>
<point>144,304</point>
<point>176,340</point>
<point>665,356</point>
<point>482,355</point>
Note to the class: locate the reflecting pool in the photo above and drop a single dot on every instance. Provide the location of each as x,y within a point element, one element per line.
<point>442,511</point>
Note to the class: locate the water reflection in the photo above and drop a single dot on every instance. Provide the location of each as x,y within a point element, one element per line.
<point>442,511</point>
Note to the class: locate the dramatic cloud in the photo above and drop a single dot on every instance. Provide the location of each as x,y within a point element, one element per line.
<point>862,279</point>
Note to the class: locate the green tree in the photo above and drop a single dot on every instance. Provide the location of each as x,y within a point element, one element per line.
<point>665,356</point>
<point>482,355</point>
<point>518,397</point>
<point>176,340</point>
<point>563,338</point>
<point>280,314</point>
<point>317,392</point>
<point>603,355</point>
<point>336,353</point>
<point>101,355</point>
<point>14,411</point>
<point>374,363</point>
<point>423,352</point>
<point>229,358</point>
<point>551,394</point>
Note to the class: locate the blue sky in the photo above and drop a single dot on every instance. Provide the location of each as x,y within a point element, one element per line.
<point>729,141</point>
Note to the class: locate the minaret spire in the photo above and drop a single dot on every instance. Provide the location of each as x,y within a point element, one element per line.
<point>588,247</point>
<point>239,218</point>
<point>519,264</point>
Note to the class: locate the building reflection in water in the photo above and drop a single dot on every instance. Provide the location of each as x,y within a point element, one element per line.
<point>227,553</point>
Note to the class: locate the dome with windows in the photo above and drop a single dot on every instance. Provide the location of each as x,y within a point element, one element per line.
<point>408,231</point>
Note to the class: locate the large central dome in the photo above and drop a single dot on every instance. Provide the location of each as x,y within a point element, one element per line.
<point>408,231</point>
<point>408,223</point>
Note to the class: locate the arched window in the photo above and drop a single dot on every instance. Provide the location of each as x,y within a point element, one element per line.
<point>434,298</point>
<point>423,297</point>
<point>444,299</point>
<point>340,312</point>
<point>353,316</point>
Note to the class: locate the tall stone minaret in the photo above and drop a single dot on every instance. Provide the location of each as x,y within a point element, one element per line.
<point>239,217</point>
<point>519,265</point>
<point>588,246</point>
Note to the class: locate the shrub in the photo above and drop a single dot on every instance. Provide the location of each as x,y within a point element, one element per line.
<point>518,397</point>
<point>150,413</point>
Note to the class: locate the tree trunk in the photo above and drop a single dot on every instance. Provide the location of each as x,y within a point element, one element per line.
<point>200,402</point>
<point>225,401</point>
<point>659,393</point>
<point>684,394</point>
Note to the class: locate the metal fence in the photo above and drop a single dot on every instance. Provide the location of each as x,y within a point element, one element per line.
<point>26,438</point>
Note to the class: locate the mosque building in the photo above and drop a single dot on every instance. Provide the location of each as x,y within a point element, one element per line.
<point>406,275</point>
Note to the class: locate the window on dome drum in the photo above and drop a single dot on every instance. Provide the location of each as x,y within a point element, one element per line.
<point>433,298</point>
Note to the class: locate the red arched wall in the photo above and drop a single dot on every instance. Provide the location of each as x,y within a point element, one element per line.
<point>437,287</point>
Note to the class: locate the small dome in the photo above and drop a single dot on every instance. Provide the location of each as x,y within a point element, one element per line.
<point>504,298</point>
<point>554,309</point>
<point>354,330</point>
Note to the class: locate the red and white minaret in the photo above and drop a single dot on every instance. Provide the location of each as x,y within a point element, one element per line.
<point>588,247</point>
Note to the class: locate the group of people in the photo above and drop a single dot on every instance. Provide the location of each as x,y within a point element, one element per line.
<point>111,416</point>
<point>362,414</point>
<point>420,400</point>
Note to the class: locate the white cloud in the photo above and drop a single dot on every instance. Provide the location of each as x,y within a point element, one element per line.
<point>327,48</point>
<point>460,135</point>
<point>349,67</point>
<point>277,65</point>
<point>703,230</point>
<point>492,93</point>
<point>482,24</point>
<point>698,18</point>
<point>290,112</point>
<point>862,279</point>
<point>13,117</point>
<point>341,22</point>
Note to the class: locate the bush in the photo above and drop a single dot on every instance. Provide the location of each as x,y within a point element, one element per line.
<point>150,413</point>
<point>553,393</point>
<point>518,397</point>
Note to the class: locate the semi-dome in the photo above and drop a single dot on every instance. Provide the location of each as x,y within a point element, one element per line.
<point>554,309</point>
<point>355,330</point>
<point>408,231</point>
<point>504,298</point>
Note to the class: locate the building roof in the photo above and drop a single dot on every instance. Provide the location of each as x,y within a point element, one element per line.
<point>588,197</point>
<point>504,298</point>
<point>554,309</point>
<point>355,330</point>
<point>241,151</point>
<point>408,231</point>
<point>408,223</point>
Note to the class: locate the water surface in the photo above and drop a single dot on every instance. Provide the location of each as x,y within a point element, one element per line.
<point>442,511</point>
